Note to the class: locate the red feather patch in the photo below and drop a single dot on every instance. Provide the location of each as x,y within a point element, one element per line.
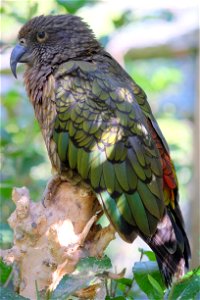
<point>169,176</point>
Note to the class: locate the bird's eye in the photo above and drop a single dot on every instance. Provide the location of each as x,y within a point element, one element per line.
<point>41,36</point>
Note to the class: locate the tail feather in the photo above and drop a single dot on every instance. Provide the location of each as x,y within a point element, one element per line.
<point>171,247</point>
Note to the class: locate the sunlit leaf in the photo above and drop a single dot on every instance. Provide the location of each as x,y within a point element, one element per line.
<point>141,270</point>
<point>188,288</point>
<point>155,284</point>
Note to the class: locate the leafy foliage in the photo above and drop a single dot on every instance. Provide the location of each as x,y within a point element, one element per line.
<point>145,283</point>
<point>188,288</point>
<point>148,278</point>
<point>85,273</point>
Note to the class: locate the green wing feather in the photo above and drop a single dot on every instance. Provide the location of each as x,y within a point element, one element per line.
<point>101,132</point>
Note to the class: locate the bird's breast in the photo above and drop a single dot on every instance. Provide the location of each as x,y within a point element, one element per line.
<point>41,91</point>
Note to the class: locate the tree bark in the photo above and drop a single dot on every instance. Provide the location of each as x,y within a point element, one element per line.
<point>49,241</point>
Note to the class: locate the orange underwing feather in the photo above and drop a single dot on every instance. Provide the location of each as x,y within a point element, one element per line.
<point>169,177</point>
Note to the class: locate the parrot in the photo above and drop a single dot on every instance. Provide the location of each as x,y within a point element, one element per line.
<point>99,129</point>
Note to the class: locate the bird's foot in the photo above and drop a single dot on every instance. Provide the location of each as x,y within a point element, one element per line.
<point>50,189</point>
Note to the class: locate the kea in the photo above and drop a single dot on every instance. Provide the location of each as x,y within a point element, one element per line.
<point>99,130</point>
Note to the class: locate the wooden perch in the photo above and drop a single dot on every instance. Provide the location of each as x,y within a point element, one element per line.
<point>49,241</point>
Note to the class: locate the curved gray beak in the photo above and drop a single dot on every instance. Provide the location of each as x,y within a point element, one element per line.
<point>15,57</point>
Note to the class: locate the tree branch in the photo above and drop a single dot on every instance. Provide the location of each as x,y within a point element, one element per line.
<point>49,241</point>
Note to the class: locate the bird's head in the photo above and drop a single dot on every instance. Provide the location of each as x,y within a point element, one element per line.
<point>50,40</point>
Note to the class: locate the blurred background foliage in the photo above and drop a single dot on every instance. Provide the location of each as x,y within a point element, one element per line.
<point>165,66</point>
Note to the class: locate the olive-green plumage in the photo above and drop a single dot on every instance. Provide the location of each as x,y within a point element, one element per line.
<point>97,124</point>
<point>113,151</point>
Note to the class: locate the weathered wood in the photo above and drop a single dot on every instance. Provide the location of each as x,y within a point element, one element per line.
<point>49,242</point>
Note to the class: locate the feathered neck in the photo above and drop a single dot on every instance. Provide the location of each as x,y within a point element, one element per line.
<point>35,79</point>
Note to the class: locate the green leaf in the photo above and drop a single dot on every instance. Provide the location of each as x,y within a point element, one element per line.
<point>155,284</point>
<point>83,275</point>
<point>141,271</point>
<point>150,254</point>
<point>4,272</point>
<point>7,294</point>
<point>123,284</point>
<point>125,281</point>
<point>188,288</point>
